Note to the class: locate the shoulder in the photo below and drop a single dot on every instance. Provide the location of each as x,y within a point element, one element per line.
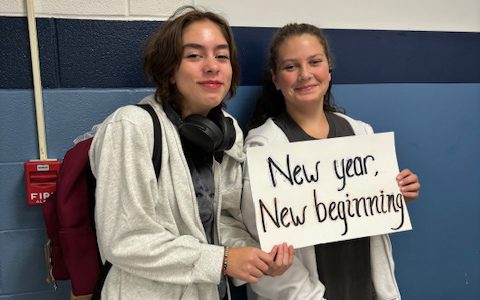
<point>267,133</point>
<point>128,129</point>
<point>359,127</point>
<point>126,124</point>
<point>128,114</point>
<point>133,113</point>
<point>133,116</point>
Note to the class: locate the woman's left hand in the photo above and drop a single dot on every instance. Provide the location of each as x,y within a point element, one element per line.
<point>409,184</point>
<point>282,258</point>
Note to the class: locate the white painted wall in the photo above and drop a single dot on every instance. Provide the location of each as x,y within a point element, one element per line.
<point>429,15</point>
<point>95,9</point>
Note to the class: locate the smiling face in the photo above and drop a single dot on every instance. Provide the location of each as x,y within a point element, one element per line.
<point>302,73</point>
<point>204,75</point>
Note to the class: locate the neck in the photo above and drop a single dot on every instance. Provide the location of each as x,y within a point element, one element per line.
<point>187,111</point>
<point>311,118</point>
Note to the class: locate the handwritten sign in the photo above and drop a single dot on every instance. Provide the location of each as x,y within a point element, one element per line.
<point>321,191</point>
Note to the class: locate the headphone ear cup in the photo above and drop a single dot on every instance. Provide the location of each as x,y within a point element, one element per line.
<point>213,133</point>
<point>201,132</point>
<point>229,134</point>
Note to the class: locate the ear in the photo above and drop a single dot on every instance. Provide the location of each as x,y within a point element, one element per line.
<point>274,79</point>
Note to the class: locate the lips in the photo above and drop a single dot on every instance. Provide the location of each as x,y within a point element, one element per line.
<point>305,88</point>
<point>211,84</point>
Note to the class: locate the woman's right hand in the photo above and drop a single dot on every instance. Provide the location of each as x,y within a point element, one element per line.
<point>247,263</point>
<point>282,258</point>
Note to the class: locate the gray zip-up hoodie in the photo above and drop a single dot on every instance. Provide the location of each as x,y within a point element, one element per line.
<point>151,231</point>
<point>301,281</point>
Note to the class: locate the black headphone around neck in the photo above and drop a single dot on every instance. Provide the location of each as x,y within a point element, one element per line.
<point>213,133</point>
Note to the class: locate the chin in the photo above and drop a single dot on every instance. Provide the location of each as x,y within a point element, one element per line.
<point>217,100</point>
<point>211,103</point>
<point>309,100</point>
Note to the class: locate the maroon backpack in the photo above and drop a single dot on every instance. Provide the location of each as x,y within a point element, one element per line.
<point>71,249</point>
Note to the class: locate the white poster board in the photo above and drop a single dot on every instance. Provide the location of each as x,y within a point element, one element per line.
<point>313,192</point>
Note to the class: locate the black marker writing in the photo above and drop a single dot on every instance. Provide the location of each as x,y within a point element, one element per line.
<point>297,176</point>
<point>359,207</point>
<point>351,167</point>
<point>282,217</point>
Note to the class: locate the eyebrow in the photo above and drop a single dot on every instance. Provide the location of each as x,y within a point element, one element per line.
<point>198,46</point>
<point>310,57</point>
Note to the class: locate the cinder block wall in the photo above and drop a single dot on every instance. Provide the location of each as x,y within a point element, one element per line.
<point>410,67</point>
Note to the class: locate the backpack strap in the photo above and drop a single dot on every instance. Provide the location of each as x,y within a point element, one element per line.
<point>157,164</point>
<point>157,134</point>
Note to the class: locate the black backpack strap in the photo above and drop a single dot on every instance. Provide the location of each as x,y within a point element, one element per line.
<point>157,164</point>
<point>157,133</point>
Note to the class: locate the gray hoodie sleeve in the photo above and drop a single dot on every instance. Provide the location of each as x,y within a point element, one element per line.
<point>139,229</point>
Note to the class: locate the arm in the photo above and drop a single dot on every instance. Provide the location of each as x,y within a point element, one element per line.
<point>232,229</point>
<point>136,231</point>
<point>231,225</point>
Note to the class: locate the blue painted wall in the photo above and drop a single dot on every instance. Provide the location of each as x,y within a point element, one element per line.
<point>425,86</point>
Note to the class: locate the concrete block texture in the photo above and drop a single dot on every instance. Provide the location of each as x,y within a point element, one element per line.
<point>17,126</point>
<point>22,256</point>
<point>13,7</point>
<point>77,8</point>
<point>157,8</point>
<point>82,7</point>
<point>15,214</point>
<point>431,15</point>
<point>108,54</point>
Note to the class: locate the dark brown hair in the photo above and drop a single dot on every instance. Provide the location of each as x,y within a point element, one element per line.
<point>163,53</point>
<point>271,102</point>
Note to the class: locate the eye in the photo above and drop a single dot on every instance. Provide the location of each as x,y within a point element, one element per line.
<point>223,57</point>
<point>193,56</point>
<point>289,67</point>
<point>315,62</point>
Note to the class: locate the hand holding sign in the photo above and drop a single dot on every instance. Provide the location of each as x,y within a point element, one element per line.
<point>409,185</point>
<point>321,191</point>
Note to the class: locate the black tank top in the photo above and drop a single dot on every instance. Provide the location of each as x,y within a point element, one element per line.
<point>343,267</point>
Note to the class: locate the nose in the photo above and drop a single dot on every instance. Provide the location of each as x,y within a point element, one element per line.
<point>210,65</point>
<point>304,73</point>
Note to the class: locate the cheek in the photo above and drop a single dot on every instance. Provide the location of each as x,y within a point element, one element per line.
<point>182,83</point>
<point>326,78</point>
<point>178,77</point>
<point>185,76</point>
<point>326,74</point>
<point>228,72</point>
<point>228,84</point>
<point>228,77</point>
<point>284,81</point>
<point>323,77</point>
